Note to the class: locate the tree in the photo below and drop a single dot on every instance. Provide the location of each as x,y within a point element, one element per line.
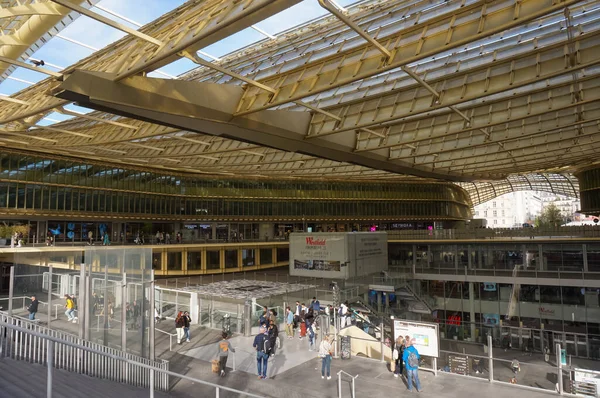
<point>550,217</point>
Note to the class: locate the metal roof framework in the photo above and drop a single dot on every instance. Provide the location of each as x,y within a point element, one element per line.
<point>500,94</point>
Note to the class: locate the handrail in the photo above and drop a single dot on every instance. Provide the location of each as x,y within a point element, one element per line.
<point>340,383</point>
<point>170,337</point>
<point>346,373</point>
<point>119,358</point>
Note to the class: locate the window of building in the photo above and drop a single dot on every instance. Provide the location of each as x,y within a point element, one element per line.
<point>495,213</point>
<point>495,221</point>
<point>493,204</point>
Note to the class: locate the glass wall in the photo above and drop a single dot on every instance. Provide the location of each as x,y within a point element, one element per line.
<point>513,257</point>
<point>108,302</point>
<point>28,182</point>
<point>566,315</point>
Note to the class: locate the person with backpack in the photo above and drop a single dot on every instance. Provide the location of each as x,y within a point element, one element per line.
<point>223,349</point>
<point>411,358</point>
<point>262,345</point>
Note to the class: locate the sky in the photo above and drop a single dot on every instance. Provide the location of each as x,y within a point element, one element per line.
<point>61,53</point>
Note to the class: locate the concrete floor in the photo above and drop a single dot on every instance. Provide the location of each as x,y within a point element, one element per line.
<point>374,381</point>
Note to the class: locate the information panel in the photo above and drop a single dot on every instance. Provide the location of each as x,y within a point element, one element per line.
<point>425,334</point>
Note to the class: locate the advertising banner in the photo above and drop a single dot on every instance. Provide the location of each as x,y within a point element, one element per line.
<point>337,254</point>
<point>425,334</point>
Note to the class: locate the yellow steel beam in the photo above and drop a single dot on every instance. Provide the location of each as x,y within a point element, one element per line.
<point>29,66</point>
<point>108,21</point>
<point>407,46</point>
<point>389,109</point>
<point>31,9</point>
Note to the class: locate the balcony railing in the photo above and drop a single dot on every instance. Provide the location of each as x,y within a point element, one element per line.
<point>588,231</point>
<point>530,273</point>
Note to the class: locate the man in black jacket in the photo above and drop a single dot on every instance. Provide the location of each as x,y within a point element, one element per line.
<point>33,307</point>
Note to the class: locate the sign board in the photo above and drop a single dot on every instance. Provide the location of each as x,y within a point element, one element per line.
<point>338,255</point>
<point>587,376</point>
<point>563,356</point>
<point>425,334</point>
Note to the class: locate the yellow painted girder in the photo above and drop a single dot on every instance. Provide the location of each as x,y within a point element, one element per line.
<point>407,46</point>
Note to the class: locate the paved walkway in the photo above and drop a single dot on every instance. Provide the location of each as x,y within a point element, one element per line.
<point>374,381</point>
<point>293,352</point>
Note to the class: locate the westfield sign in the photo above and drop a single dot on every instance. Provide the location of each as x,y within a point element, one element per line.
<point>315,242</point>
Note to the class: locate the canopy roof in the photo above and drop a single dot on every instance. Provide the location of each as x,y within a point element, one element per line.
<point>490,94</point>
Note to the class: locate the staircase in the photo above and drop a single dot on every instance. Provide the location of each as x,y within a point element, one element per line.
<point>416,303</point>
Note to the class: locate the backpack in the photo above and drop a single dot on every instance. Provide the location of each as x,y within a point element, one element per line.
<point>267,346</point>
<point>413,361</point>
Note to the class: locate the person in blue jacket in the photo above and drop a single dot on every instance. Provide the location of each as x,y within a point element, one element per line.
<point>411,358</point>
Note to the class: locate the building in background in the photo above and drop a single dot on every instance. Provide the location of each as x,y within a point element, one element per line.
<point>510,210</point>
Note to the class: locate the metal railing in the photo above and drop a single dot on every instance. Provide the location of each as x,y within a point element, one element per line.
<point>353,384</point>
<point>53,352</point>
<point>495,272</point>
<point>171,335</point>
<point>497,233</point>
<point>28,341</point>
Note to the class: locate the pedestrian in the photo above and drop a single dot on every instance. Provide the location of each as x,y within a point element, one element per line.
<point>515,366</point>
<point>94,303</point>
<point>273,337</point>
<point>111,312</point>
<point>365,322</point>
<point>411,358</point>
<point>309,319</point>
<point>397,355</point>
<point>343,312</point>
<point>106,240</point>
<point>90,238</point>
<point>261,344</point>
<point>316,306</point>
<point>179,323</point>
<point>33,307</point>
<point>297,311</point>
<point>302,322</point>
<point>186,326</point>
<point>70,306</point>
<point>223,349</point>
<point>263,320</point>
<point>325,354</point>
<point>289,323</point>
